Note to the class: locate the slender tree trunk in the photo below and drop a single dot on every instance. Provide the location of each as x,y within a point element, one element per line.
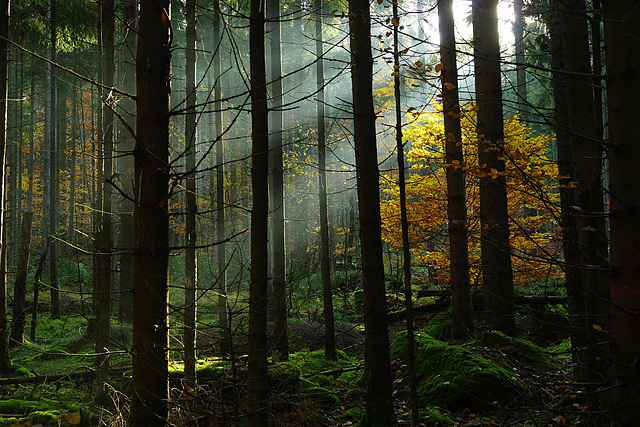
<point>521,70</point>
<point>223,315</point>
<point>456,201</point>
<point>622,41</point>
<point>107,11</point>
<point>377,374</point>
<point>20,286</point>
<point>53,168</point>
<point>126,165</point>
<point>5,360</point>
<point>190,257</point>
<point>586,149</point>
<point>406,250</point>
<point>494,220</point>
<point>276,184</point>
<point>257,385</point>
<point>325,269</point>
<point>150,386</point>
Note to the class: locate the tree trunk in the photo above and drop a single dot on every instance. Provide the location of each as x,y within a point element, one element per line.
<point>223,314</point>
<point>406,249</point>
<point>107,11</point>
<point>190,257</point>
<point>377,372</point>
<point>586,149</point>
<point>622,41</point>
<point>5,360</point>
<point>521,70</point>
<point>150,386</point>
<point>53,167</point>
<point>257,384</point>
<point>573,282</point>
<point>325,269</point>
<point>276,184</point>
<point>20,286</point>
<point>126,166</point>
<point>497,273</point>
<point>456,201</point>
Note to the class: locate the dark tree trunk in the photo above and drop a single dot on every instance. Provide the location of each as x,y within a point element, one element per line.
<point>126,166</point>
<point>276,184</point>
<point>377,374</point>
<point>223,314</point>
<point>586,150</point>
<point>107,12</point>
<point>150,387</point>
<point>456,202</point>
<point>521,70</point>
<point>20,286</point>
<point>622,41</point>
<point>497,273</point>
<point>53,169</point>
<point>406,249</point>
<point>5,360</point>
<point>190,257</point>
<point>325,268</point>
<point>257,385</point>
<point>573,282</point>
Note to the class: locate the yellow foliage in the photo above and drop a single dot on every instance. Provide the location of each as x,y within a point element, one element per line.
<point>532,191</point>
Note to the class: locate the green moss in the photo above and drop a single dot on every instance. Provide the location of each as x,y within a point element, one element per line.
<point>520,349</point>
<point>353,414</point>
<point>322,380</point>
<point>18,371</point>
<point>321,395</point>
<point>358,301</point>
<point>562,350</point>
<point>451,375</point>
<point>434,419</point>
<point>440,326</point>
<point>44,417</point>
<point>19,406</point>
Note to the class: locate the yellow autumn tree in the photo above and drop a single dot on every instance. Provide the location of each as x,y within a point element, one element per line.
<point>532,192</point>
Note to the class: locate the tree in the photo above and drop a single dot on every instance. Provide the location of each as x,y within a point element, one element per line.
<point>586,164</point>
<point>105,243</point>
<point>325,268</point>
<point>223,315</point>
<point>257,385</point>
<point>456,209</point>
<point>377,370</point>
<point>125,165</point>
<point>622,41</point>
<point>5,361</point>
<point>276,184</point>
<point>521,71</point>
<point>20,286</point>
<point>150,386</point>
<point>190,258</point>
<point>496,249</point>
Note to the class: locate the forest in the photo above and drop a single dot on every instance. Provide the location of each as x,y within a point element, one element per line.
<point>319,213</point>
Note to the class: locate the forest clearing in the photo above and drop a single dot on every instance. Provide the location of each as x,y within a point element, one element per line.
<point>322,213</point>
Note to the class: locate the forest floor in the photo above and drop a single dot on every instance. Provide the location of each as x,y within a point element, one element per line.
<point>306,391</point>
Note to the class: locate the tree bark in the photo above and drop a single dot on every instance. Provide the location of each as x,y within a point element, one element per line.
<point>126,166</point>
<point>150,386</point>
<point>223,313</point>
<point>497,273</point>
<point>257,385</point>
<point>190,256</point>
<point>5,360</point>
<point>20,286</point>
<point>107,11</point>
<point>586,162</point>
<point>622,41</point>
<point>521,70</point>
<point>325,268</point>
<point>454,159</point>
<point>276,184</point>
<point>377,372</point>
<point>573,282</point>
